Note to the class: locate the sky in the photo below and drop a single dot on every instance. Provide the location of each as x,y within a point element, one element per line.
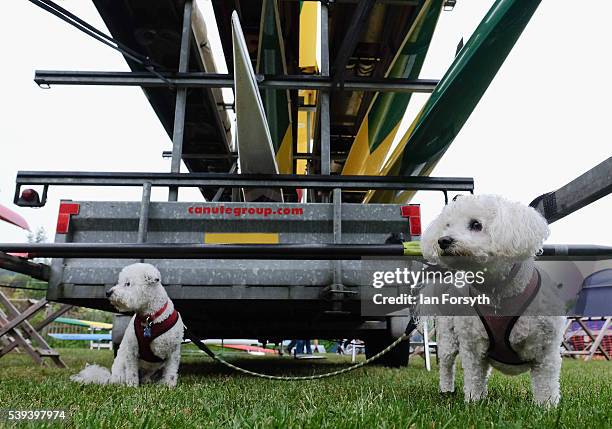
<point>544,120</point>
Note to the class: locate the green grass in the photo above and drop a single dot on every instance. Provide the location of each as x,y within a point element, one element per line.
<point>210,396</point>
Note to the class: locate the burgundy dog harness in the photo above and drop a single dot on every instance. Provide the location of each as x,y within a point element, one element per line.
<point>499,328</point>
<point>147,330</point>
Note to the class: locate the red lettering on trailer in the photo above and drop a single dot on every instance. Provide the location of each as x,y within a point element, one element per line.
<point>240,211</point>
<point>63,218</point>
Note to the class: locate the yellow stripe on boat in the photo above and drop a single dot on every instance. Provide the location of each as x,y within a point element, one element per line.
<point>381,123</point>
<point>457,94</point>
<point>284,156</point>
<point>99,325</point>
<point>309,24</point>
<point>305,128</point>
<point>391,164</point>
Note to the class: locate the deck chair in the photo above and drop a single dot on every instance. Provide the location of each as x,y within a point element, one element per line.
<point>585,336</point>
<point>19,332</point>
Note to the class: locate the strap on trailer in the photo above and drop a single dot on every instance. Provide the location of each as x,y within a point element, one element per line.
<point>580,192</point>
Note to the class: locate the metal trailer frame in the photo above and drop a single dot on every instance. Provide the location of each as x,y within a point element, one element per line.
<point>216,80</point>
<point>335,303</point>
<point>330,186</point>
<point>336,211</point>
<point>325,82</point>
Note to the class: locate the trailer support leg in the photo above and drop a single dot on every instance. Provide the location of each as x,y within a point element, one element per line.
<point>181,99</point>
<point>143,222</point>
<point>324,95</point>
<point>337,286</point>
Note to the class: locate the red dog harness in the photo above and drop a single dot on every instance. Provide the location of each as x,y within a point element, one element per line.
<point>499,328</point>
<point>147,330</point>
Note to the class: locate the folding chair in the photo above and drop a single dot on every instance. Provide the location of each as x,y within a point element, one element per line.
<point>596,341</point>
<point>21,333</point>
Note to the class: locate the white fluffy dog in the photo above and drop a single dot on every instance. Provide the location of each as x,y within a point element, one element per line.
<point>151,347</point>
<point>500,237</point>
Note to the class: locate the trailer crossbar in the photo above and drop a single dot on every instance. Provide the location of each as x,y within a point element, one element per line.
<point>329,182</point>
<point>260,251</point>
<point>216,180</point>
<point>216,80</point>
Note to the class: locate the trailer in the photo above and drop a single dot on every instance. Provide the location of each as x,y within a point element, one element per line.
<point>222,288</point>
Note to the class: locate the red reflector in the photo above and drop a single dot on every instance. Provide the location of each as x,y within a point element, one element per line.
<point>410,211</point>
<point>415,225</point>
<point>63,219</point>
<point>413,213</point>
<point>69,208</point>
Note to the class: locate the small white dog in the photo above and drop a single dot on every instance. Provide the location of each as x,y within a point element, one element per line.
<point>501,238</point>
<point>151,347</point>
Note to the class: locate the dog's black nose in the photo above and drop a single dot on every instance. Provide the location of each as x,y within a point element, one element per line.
<point>445,242</point>
<point>109,293</point>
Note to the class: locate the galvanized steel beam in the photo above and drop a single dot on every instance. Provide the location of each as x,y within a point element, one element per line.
<point>79,178</point>
<point>181,99</point>
<point>257,251</point>
<point>210,80</point>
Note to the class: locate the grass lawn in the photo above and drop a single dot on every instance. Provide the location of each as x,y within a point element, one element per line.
<point>210,396</point>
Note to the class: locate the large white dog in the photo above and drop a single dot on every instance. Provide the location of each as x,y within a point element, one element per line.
<point>151,347</point>
<point>501,238</point>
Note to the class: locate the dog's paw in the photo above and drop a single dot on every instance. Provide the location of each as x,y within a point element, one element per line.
<point>124,379</point>
<point>548,403</point>
<point>473,399</point>
<point>170,381</point>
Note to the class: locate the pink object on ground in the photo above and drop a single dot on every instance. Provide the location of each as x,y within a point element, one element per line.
<point>249,348</point>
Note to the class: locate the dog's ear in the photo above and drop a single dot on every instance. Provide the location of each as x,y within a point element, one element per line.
<point>429,240</point>
<point>151,276</point>
<point>518,230</point>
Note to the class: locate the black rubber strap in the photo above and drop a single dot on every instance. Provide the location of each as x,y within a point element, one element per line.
<point>199,344</point>
<point>91,31</point>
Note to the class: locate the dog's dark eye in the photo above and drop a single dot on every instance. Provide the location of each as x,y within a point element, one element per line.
<point>475,225</point>
<point>127,283</point>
